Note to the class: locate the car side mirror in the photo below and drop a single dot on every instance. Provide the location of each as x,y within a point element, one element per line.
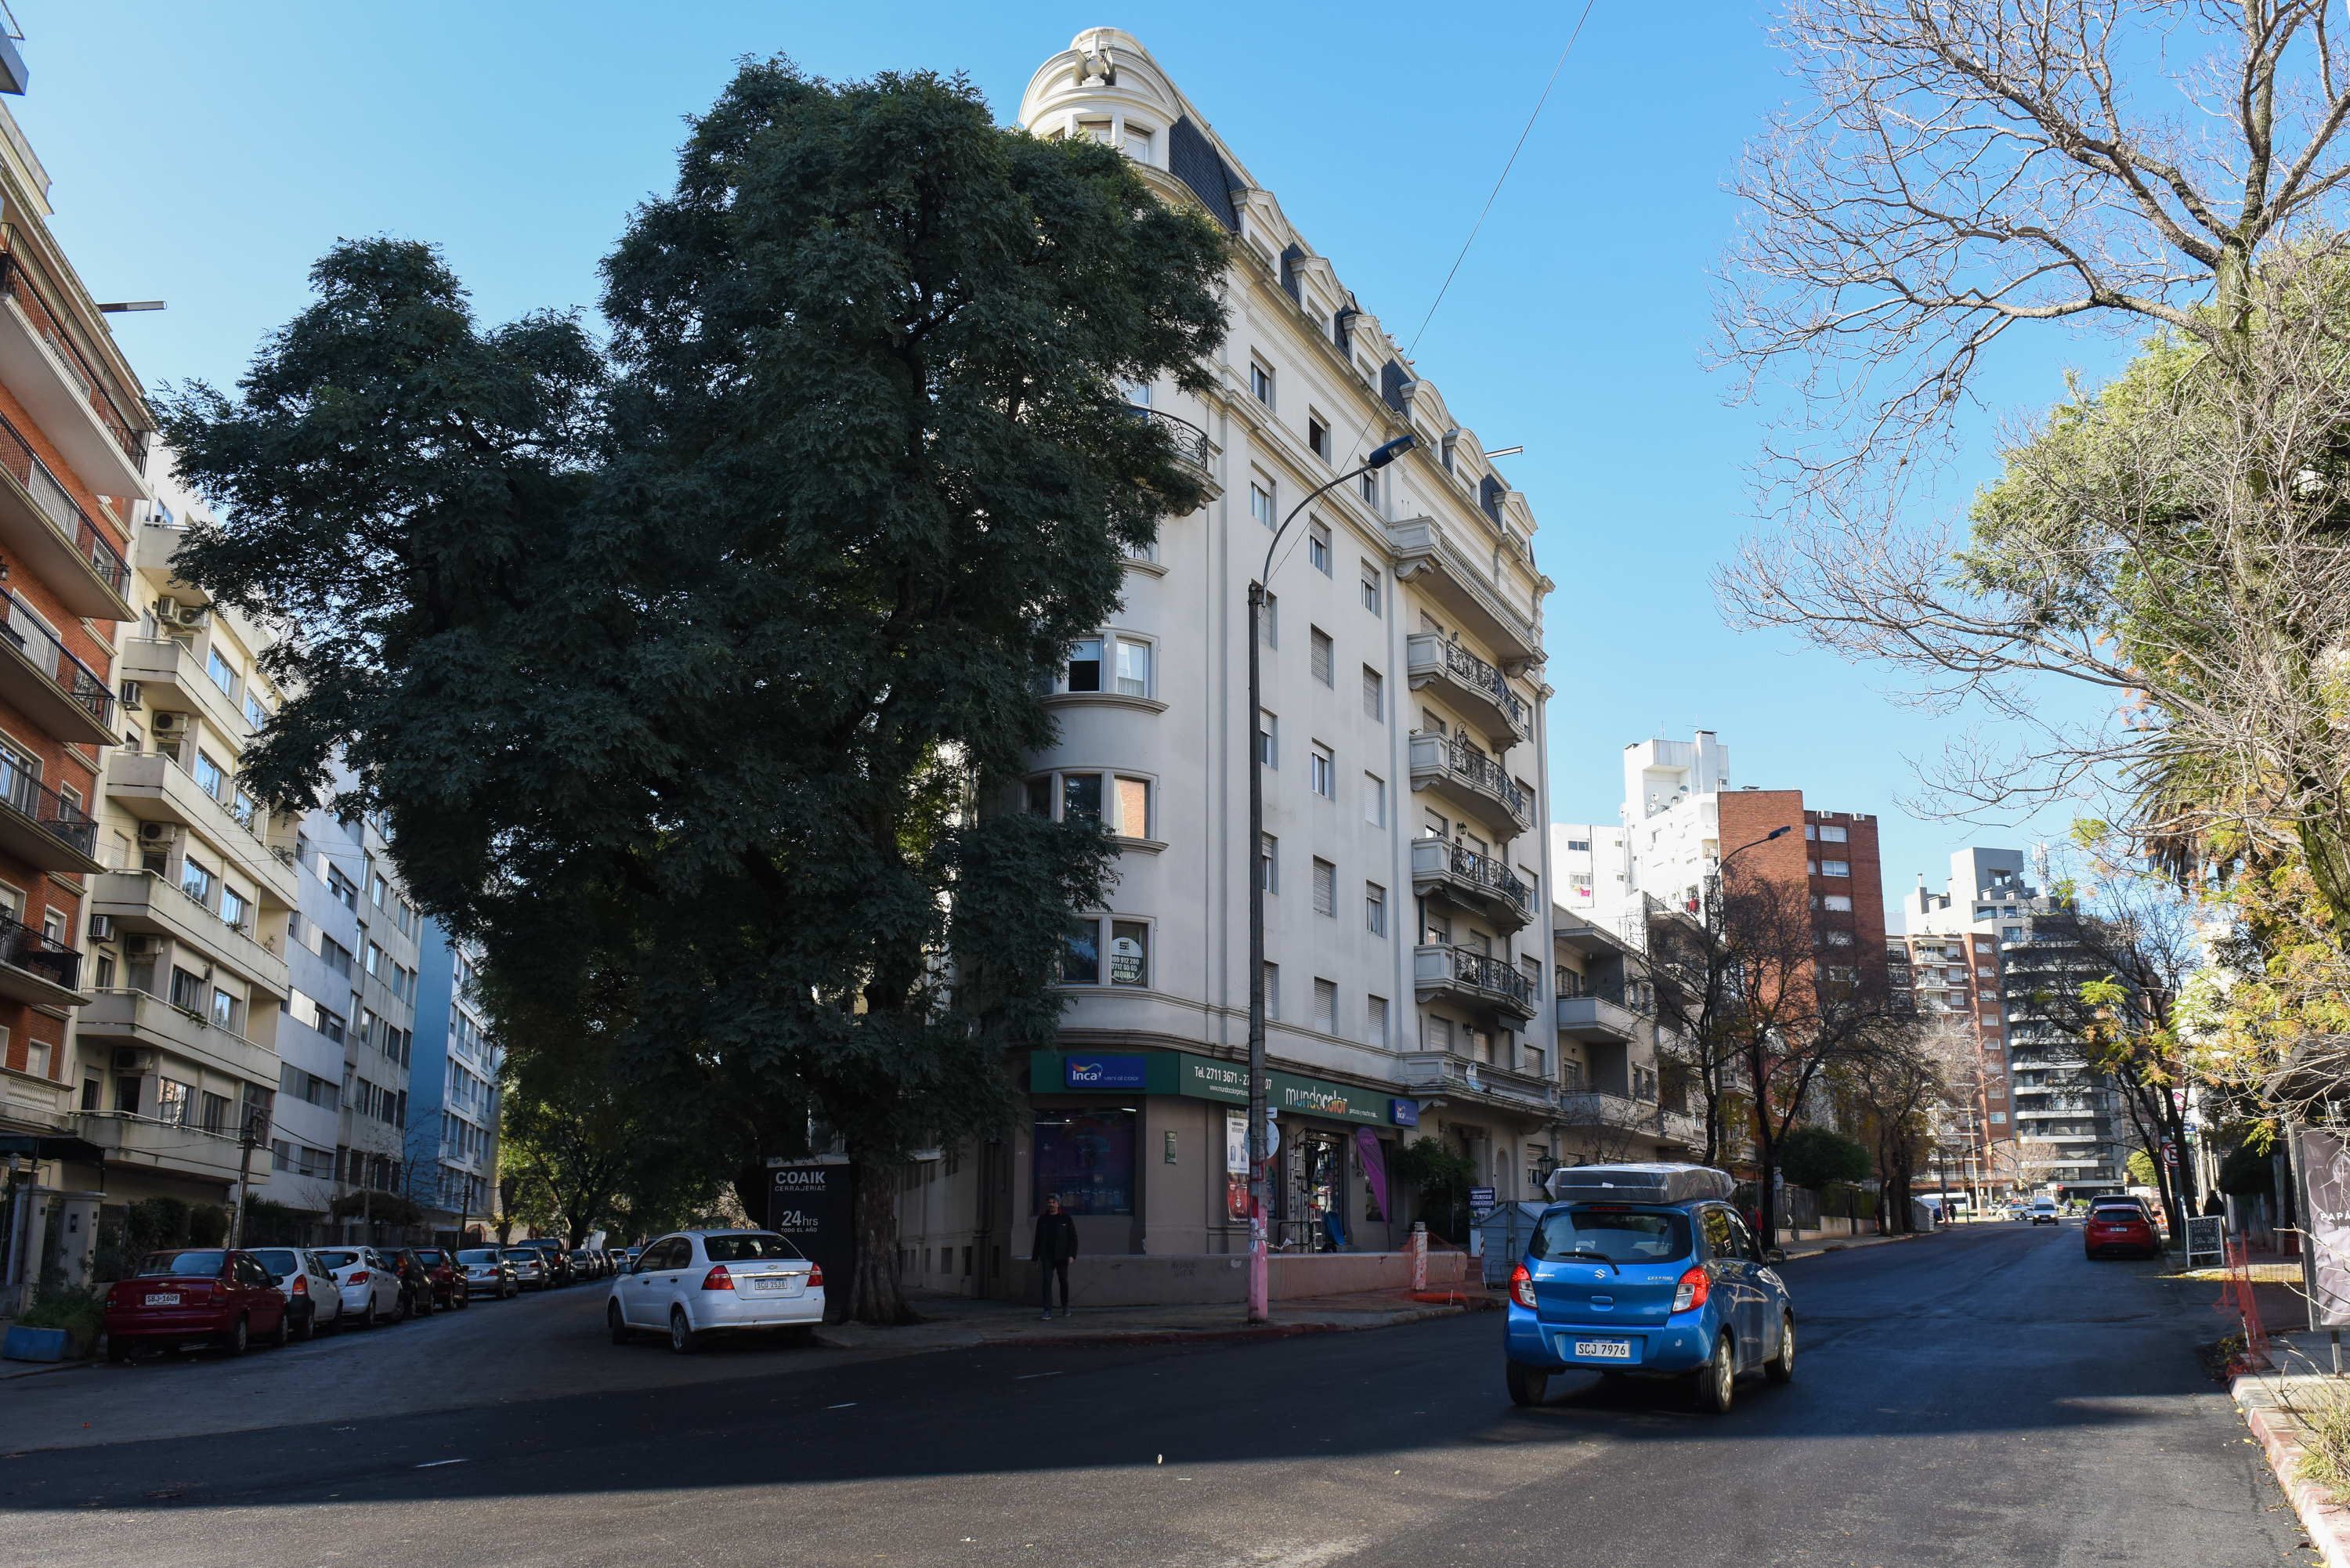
<point>1774,1255</point>
<point>276,1279</point>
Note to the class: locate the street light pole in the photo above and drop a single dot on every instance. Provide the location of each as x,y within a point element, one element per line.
<point>1260,1265</point>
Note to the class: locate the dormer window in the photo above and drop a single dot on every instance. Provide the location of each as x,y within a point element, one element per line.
<point>1095,131</point>
<point>1138,139</point>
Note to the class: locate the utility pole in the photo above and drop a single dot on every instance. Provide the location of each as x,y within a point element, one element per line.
<point>256,1129</point>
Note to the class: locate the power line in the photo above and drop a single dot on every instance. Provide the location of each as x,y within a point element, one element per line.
<point>1512,164</point>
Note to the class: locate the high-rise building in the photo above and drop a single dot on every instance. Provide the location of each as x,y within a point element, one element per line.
<point>73,439</point>
<point>2001,958</point>
<point>452,1096</point>
<point>1402,740</point>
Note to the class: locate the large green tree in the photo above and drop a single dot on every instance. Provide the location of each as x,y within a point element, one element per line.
<point>695,659</point>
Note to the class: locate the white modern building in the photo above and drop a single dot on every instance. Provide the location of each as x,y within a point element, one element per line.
<point>1407,953</point>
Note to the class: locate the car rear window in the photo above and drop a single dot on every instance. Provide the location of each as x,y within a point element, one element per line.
<point>478,1255</point>
<point>204,1265</point>
<point>1620,1235</point>
<point>522,1254</point>
<point>279,1261</point>
<point>748,1249</point>
<point>431,1257</point>
<point>338,1259</point>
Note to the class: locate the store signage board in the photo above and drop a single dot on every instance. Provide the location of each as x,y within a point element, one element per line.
<point>1480,1202</point>
<point>2205,1238</point>
<point>1106,1072</point>
<point>1204,1078</point>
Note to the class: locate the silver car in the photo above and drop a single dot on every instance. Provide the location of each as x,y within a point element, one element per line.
<point>690,1283</point>
<point>369,1283</point>
<point>314,1299</point>
<point>529,1267</point>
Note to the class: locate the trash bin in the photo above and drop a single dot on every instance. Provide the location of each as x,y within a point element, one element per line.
<point>1503,1236</point>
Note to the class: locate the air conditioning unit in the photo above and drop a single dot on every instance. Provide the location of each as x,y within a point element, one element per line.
<point>158,832</point>
<point>131,694</point>
<point>169,724</point>
<point>102,928</point>
<point>167,612</point>
<point>142,945</point>
<point>130,1059</point>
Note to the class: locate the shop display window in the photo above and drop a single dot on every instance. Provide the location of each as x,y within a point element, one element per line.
<point>1087,1157</point>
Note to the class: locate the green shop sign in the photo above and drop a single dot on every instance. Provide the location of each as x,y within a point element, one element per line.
<point>1200,1078</point>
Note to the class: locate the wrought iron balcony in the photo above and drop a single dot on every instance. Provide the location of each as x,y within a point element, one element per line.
<point>1472,977</point>
<point>41,827</point>
<point>1473,685</point>
<point>38,967</point>
<point>1477,881</point>
<point>43,680</point>
<point>31,290</point>
<point>1191,443</point>
<point>55,537</point>
<point>1472,782</point>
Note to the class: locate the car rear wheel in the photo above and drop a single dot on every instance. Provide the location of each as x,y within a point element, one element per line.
<point>681,1338</point>
<point>282,1333</point>
<point>399,1307</point>
<point>1528,1384</point>
<point>617,1324</point>
<point>1716,1383</point>
<point>307,1325</point>
<point>237,1338</point>
<point>1780,1368</point>
<point>461,1297</point>
<point>366,1313</point>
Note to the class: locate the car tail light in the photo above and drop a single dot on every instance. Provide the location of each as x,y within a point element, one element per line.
<point>1691,1291</point>
<point>1522,1287</point>
<point>359,1279</point>
<point>816,1276</point>
<point>301,1286</point>
<point>718,1279</point>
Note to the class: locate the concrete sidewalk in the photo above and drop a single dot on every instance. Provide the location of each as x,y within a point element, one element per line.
<point>1818,1245</point>
<point>956,1322</point>
<point>2266,1401</point>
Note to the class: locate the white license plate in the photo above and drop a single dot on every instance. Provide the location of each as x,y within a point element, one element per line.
<point>787,1282</point>
<point>168,1299</point>
<point>1605,1349</point>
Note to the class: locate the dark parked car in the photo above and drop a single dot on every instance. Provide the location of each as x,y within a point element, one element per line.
<point>417,1295</point>
<point>558,1261</point>
<point>448,1276</point>
<point>587,1264</point>
<point>616,1261</point>
<point>194,1292</point>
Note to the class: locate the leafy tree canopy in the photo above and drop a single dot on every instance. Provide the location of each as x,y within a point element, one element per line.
<point>679,668</point>
<point>1815,1157</point>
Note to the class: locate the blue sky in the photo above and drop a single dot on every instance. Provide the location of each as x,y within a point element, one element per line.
<point>206,155</point>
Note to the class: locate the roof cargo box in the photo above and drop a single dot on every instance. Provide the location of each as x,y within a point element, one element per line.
<point>1638,1183</point>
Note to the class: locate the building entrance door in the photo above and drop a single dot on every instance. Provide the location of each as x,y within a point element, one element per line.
<point>1313,1211</point>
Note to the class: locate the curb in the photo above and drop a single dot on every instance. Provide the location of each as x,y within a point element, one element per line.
<point>1181,1335</point>
<point>2327,1521</point>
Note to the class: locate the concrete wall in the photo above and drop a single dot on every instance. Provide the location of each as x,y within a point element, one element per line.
<point>1206,1279</point>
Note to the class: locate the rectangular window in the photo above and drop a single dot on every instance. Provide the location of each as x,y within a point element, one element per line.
<point>1835,867</point>
<point>1085,1159</point>
<point>172,1102</point>
<point>1322,772</point>
<point>346,891</point>
<point>224,1010</point>
<point>1261,384</point>
<point>1842,902</point>
<point>1133,667</point>
<point>1129,952</point>
<point>196,883</point>
<point>1374,1019</point>
<point>1272,991</point>
<point>1375,695</point>
<point>1268,863</point>
<point>1371,587</point>
<point>375,960</point>
<point>338,957</point>
<point>1081,798</point>
<point>1318,659</point>
<point>223,673</point>
<point>256,712</point>
<point>211,777</point>
<point>1134,808</point>
<point>1375,908</point>
<point>187,991</point>
<point>1375,800</point>
<point>1317,547</point>
<point>1831,835</point>
<point>331,1025</point>
<point>1317,436</point>
<point>1325,1006</point>
<point>1261,504</point>
<point>215,1113</point>
<point>1268,738</point>
<point>1081,965</point>
<point>1084,667</point>
<point>1325,887</point>
<point>1370,487</point>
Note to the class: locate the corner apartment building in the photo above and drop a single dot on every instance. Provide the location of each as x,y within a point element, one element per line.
<point>179,1046</point>
<point>1625,1096</point>
<point>1402,738</point>
<point>73,437</point>
<point>2064,1119</point>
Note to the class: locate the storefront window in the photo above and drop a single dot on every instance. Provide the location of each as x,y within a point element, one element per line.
<point>1087,1158</point>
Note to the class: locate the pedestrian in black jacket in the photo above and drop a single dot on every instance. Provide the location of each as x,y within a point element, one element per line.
<point>1055,1244</point>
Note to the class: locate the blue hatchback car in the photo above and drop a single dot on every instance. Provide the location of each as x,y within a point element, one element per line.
<point>1628,1274</point>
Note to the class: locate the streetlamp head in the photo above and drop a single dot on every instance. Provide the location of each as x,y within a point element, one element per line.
<point>1393,449</point>
<point>1776,833</point>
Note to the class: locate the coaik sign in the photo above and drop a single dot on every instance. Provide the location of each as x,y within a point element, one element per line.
<point>1204,1079</point>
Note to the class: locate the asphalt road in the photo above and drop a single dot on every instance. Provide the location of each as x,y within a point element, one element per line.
<point>1985,1397</point>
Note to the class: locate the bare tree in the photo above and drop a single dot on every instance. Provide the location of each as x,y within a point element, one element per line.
<point>2174,541</point>
<point>1897,1088</point>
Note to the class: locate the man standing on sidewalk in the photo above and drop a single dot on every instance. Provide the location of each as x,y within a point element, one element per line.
<point>1055,1244</point>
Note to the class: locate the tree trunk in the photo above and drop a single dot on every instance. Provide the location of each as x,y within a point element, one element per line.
<point>873,1295</point>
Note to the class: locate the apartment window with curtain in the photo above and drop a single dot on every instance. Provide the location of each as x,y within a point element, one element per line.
<point>1322,775</point>
<point>1317,547</point>
<point>1371,587</point>
<point>1375,908</point>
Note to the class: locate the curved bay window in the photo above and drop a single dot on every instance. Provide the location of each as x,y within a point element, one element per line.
<point>1123,959</point>
<point>1117,803</point>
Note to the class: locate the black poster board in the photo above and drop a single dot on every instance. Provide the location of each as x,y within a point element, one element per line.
<point>810,1203</point>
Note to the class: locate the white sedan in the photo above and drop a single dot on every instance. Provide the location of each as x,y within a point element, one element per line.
<point>692,1282</point>
<point>369,1283</point>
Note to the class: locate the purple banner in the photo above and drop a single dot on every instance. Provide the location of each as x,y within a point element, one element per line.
<point>1374,1167</point>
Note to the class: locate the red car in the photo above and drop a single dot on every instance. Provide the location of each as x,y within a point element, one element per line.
<point>447,1274</point>
<point>194,1292</point>
<point>2120,1226</point>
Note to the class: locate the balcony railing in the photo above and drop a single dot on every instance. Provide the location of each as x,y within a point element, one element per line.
<point>1467,666</point>
<point>66,823</point>
<point>1488,875</point>
<point>1485,774</point>
<point>22,947</point>
<point>24,284</point>
<point>16,455</point>
<point>33,639</point>
<point>1494,976</point>
<point>1637,994</point>
<point>1191,443</point>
